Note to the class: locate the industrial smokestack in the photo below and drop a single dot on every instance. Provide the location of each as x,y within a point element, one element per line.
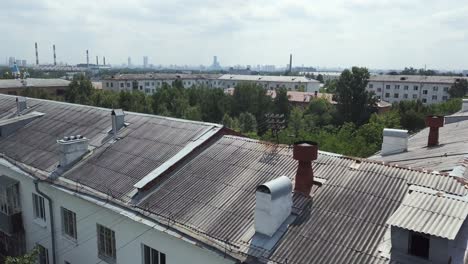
<point>37,55</point>
<point>104,60</point>
<point>97,60</point>
<point>87,58</point>
<point>55,57</point>
<point>290,62</point>
<point>305,152</point>
<point>434,123</point>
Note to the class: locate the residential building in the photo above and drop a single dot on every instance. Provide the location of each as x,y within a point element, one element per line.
<point>396,88</point>
<point>269,82</point>
<point>55,87</point>
<point>94,185</point>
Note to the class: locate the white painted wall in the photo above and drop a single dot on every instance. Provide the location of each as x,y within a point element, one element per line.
<point>381,90</point>
<point>88,214</point>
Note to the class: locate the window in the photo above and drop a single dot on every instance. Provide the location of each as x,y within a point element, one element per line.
<point>152,83</point>
<point>69,223</point>
<point>379,89</point>
<point>378,97</point>
<point>371,86</point>
<point>43,256</point>
<point>419,245</point>
<point>387,95</point>
<point>121,85</point>
<point>415,96</point>
<point>424,100</point>
<point>396,95</point>
<point>405,96</point>
<point>147,90</point>
<point>424,91</point>
<point>106,244</point>
<point>128,85</point>
<point>444,98</point>
<point>152,256</point>
<point>435,88</point>
<point>434,97</point>
<point>415,87</point>
<point>406,87</point>
<point>9,199</point>
<point>387,87</point>
<point>397,86</point>
<point>38,206</point>
<point>107,84</point>
<point>112,84</point>
<point>446,89</point>
<point>147,83</point>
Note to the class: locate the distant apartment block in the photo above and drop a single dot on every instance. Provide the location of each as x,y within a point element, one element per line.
<point>396,88</point>
<point>149,83</point>
<point>55,87</point>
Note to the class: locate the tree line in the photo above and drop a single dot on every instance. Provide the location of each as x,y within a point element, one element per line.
<point>350,127</point>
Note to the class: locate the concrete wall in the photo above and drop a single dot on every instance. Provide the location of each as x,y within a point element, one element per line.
<point>381,91</point>
<point>88,214</point>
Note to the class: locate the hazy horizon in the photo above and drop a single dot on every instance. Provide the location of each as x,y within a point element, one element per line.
<point>380,34</point>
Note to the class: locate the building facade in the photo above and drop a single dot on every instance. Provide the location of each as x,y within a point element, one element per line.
<point>396,88</point>
<point>54,87</point>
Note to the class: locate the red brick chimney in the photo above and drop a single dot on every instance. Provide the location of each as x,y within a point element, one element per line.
<point>304,152</point>
<point>434,122</point>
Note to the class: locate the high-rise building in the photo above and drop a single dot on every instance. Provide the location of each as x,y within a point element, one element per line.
<point>145,61</point>
<point>215,65</point>
<point>11,61</point>
<point>129,62</point>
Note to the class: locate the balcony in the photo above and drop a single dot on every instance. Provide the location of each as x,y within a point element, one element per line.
<point>11,224</point>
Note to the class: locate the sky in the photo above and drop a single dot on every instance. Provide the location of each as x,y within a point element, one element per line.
<point>378,34</point>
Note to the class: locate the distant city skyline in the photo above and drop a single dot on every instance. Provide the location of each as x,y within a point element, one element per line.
<point>372,33</point>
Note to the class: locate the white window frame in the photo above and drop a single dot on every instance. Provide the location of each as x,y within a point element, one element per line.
<point>43,254</point>
<point>106,244</point>
<point>69,224</point>
<point>152,256</point>
<point>39,207</point>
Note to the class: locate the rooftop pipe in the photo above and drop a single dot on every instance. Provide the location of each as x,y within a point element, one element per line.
<point>434,123</point>
<point>305,152</point>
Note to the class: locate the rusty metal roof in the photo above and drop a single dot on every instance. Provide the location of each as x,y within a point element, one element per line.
<point>214,193</point>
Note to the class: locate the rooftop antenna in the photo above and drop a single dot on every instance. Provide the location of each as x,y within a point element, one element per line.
<point>37,54</point>
<point>55,57</point>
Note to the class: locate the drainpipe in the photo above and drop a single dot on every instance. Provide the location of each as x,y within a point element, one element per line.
<point>51,212</point>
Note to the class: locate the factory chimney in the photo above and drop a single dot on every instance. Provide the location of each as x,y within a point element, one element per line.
<point>37,55</point>
<point>290,62</point>
<point>97,60</point>
<point>55,57</point>
<point>104,60</point>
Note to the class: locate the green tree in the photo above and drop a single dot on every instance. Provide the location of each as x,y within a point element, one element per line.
<point>247,122</point>
<point>321,111</point>
<point>355,104</point>
<point>320,78</point>
<point>281,102</point>
<point>193,113</point>
<point>79,90</point>
<point>459,89</point>
<point>29,258</point>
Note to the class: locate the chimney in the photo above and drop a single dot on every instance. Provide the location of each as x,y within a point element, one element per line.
<point>97,60</point>
<point>434,122</point>
<point>37,54</point>
<point>305,152</point>
<point>104,60</point>
<point>394,141</point>
<point>273,205</point>
<point>21,105</point>
<point>465,105</point>
<point>72,149</point>
<point>290,62</point>
<point>118,121</point>
<point>87,58</point>
<point>55,57</point>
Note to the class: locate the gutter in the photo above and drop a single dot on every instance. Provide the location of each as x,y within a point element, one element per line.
<point>51,213</point>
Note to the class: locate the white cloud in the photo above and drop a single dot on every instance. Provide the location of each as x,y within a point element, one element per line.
<point>374,33</point>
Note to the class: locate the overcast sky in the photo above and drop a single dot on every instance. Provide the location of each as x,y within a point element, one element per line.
<point>332,33</point>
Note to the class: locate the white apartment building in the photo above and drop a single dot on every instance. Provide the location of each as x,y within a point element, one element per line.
<point>396,88</point>
<point>149,83</point>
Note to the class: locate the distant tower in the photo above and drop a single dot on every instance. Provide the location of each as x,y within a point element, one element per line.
<point>87,58</point>
<point>290,62</point>
<point>104,60</point>
<point>215,60</point>
<point>129,62</point>
<point>37,55</point>
<point>97,61</point>
<point>55,56</point>
<point>145,62</point>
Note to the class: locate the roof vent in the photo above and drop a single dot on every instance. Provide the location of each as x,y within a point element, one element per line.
<point>72,149</point>
<point>394,141</point>
<point>434,123</point>
<point>21,105</point>
<point>305,152</point>
<point>118,121</point>
<point>273,205</point>
<point>465,105</point>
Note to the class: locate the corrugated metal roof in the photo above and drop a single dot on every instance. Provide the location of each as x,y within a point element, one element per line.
<point>453,146</point>
<point>214,193</point>
<point>162,76</point>
<point>266,78</point>
<point>434,214</point>
<point>33,82</point>
<point>448,80</point>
